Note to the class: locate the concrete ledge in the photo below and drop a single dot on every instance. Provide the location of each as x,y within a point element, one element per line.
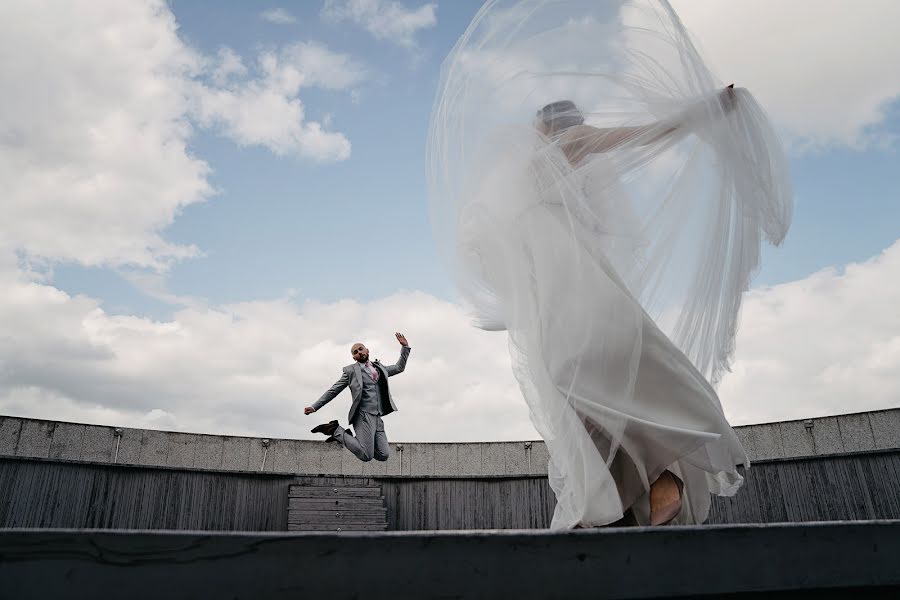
<point>34,438</point>
<point>755,561</point>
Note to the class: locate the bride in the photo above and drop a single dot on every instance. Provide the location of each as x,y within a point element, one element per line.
<point>612,244</point>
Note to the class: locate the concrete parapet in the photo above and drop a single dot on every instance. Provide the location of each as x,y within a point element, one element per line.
<point>34,438</point>
<point>839,560</point>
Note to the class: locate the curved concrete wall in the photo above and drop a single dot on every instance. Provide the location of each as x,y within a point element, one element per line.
<point>36,438</point>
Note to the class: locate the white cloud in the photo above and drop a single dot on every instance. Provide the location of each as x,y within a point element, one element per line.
<point>279,16</point>
<point>250,368</point>
<point>826,344</point>
<point>266,109</point>
<point>390,21</point>
<point>228,64</point>
<point>311,64</point>
<point>93,135</point>
<point>95,120</point>
<point>824,69</point>
<point>99,104</point>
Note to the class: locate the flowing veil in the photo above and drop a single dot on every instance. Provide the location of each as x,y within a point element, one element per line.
<point>577,257</point>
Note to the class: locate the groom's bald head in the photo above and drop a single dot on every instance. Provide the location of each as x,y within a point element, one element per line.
<point>359,352</point>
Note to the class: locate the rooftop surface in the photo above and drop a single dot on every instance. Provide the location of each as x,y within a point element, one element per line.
<point>721,561</point>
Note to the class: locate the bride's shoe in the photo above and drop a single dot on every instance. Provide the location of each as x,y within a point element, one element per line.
<point>665,514</point>
<point>628,520</point>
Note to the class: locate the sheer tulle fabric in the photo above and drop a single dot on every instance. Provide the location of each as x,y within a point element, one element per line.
<point>616,265</point>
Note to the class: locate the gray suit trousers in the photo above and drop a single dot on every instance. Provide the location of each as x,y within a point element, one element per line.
<point>370,441</point>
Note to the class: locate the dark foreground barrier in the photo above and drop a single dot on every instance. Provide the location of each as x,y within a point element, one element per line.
<point>792,560</point>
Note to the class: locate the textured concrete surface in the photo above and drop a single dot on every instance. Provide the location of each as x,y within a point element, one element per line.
<point>10,430</point>
<point>446,460</point>
<point>209,451</point>
<point>35,438</point>
<point>181,449</point>
<point>392,465</point>
<point>285,456</point>
<point>827,436</point>
<point>350,465</point>
<point>515,456</point>
<point>493,459</point>
<point>236,454</point>
<point>856,433</point>
<point>840,560</point>
<point>797,439</point>
<point>374,468</point>
<point>767,442</point>
<point>469,457</point>
<point>129,447</point>
<point>743,434</point>
<point>886,429</point>
<point>98,444</point>
<point>331,457</point>
<point>860,432</point>
<point>155,447</point>
<point>540,456</point>
<point>421,459</point>
<point>259,458</point>
<point>66,441</point>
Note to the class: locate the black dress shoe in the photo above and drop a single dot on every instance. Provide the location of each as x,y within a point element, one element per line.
<point>326,428</point>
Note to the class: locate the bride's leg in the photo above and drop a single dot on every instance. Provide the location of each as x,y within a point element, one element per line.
<point>665,498</point>
<point>622,469</point>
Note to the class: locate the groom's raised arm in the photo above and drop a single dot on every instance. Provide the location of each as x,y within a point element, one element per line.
<point>404,355</point>
<point>333,391</point>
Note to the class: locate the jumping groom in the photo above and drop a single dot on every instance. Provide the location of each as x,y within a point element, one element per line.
<point>372,400</point>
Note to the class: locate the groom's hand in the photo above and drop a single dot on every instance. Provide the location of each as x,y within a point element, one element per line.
<point>402,339</point>
<point>308,410</point>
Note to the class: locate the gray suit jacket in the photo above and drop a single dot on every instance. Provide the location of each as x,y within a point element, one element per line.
<point>352,376</point>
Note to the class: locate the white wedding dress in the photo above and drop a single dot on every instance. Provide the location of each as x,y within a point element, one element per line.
<point>618,278</point>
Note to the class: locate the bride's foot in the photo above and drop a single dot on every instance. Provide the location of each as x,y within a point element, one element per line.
<point>628,520</point>
<point>665,498</point>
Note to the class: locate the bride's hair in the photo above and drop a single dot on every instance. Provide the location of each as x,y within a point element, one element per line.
<point>560,115</point>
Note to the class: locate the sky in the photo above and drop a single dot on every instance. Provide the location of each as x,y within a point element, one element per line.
<point>203,205</point>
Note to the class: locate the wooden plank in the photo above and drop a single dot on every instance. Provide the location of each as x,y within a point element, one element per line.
<point>309,492</point>
<point>374,510</point>
<point>337,522</point>
<point>360,511</point>
<point>326,497</point>
<point>329,497</point>
<point>340,503</point>
<point>379,500</point>
<point>350,509</point>
<point>334,505</point>
<point>332,518</point>
<point>342,527</point>
<point>350,516</point>
<point>332,486</point>
<point>343,480</point>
